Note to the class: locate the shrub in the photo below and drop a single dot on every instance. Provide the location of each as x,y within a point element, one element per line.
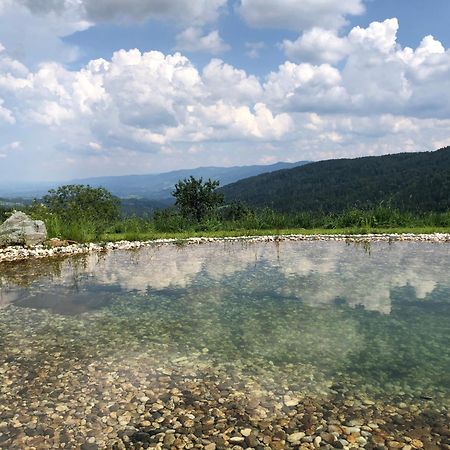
<point>196,199</point>
<point>77,212</point>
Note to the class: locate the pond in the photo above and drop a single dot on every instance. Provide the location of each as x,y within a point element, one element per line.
<point>222,345</point>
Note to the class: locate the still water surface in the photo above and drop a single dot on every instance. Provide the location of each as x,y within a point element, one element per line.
<point>376,316</point>
<point>89,343</point>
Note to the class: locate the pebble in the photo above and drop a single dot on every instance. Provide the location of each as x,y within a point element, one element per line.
<point>237,439</point>
<point>296,437</point>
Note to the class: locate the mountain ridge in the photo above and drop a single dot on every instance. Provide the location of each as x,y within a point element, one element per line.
<point>408,181</point>
<point>146,186</point>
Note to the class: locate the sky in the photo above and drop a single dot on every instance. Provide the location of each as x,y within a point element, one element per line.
<point>113,87</point>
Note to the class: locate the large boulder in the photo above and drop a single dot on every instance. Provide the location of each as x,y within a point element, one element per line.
<point>19,229</point>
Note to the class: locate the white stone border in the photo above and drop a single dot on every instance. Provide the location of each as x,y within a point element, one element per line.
<point>18,253</point>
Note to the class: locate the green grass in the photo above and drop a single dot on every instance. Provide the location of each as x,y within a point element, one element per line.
<point>234,222</point>
<point>114,237</point>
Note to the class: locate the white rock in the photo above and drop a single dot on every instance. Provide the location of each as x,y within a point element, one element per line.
<point>19,229</point>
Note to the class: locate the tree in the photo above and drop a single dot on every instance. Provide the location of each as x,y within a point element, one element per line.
<point>196,198</point>
<point>79,203</point>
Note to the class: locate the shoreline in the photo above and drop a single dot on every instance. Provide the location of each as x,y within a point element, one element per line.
<point>21,253</point>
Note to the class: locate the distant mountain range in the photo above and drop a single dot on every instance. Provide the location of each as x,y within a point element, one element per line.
<point>155,187</point>
<point>409,181</point>
<point>416,182</point>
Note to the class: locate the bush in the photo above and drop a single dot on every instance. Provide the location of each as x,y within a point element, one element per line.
<point>77,212</point>
<point>197,199</point>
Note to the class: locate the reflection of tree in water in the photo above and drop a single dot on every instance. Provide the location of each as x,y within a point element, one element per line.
<point>54,283</point>
<point>25,273</point>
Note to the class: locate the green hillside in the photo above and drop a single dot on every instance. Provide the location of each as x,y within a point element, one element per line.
<point>416,182</point>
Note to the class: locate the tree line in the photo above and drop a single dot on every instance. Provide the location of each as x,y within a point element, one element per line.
<point>409,182</point>
<point>84,213</point>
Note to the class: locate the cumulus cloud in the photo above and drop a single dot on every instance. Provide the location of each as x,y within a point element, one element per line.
<point>306,87</point>
<point>381,98</point>
<point>378,76</point>
<point>317,46</point>
<point>44,24</point>
<point>218,77</point>
<point>193,40</point>
<point>298,15</point>
<point>146,100</point>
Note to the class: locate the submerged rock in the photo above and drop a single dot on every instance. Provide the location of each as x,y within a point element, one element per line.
<point>19,229</point>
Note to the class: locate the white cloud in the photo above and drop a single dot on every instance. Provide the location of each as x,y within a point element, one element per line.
<point>145,101</point>
<point>147,111</point>
<point>378,76</point>
<point>6,149</point>
<point>10,147</point>
<point>317,46</point>
<point>33,37</point>
<point>298,15</point>
<point>306,87</point>
<point>218,77</point>
<point>192,40</point>
<point>95,146</point>
<point>380,36</point>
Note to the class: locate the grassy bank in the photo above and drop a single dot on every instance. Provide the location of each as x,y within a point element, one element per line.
<point>144,236</point>
<point>169,224</point>
<point>238,220</point>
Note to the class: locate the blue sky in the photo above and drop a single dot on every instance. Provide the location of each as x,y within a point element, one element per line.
<point>110,87</point>
<point>417,19</point>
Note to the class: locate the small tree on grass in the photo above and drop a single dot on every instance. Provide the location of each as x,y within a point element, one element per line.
<point>196,198</point>
<point>83,204</point>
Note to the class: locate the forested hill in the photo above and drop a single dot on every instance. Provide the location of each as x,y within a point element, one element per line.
<point>408,181</point>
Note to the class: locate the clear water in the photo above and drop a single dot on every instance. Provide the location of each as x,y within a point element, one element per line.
<point>308,318</point>
<point>377,317</point>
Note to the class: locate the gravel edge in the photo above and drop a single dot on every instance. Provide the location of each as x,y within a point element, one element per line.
<point>20,253</point>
